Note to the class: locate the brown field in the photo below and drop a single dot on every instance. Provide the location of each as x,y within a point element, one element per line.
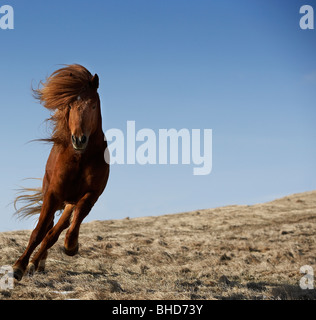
<point>232,252</point>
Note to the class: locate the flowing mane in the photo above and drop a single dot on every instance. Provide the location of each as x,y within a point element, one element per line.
<point>59,90</point>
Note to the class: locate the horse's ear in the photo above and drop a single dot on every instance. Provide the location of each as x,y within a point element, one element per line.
<point>94,83</point>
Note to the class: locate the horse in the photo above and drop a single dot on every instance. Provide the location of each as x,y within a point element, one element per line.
<point>77,169</point>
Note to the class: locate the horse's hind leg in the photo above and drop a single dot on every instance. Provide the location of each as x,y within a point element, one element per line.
<point>38,261</point>
<point>44,221</point>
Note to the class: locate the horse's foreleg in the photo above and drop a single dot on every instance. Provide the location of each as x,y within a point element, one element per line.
<point>42,263</point>
<point>44,221</point>
<point>82,209</point>
<point>38,261</point>
<point>44,256</point>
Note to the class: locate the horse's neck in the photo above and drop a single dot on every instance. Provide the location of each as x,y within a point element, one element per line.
<point>98,135</point>
<point>96,142</point>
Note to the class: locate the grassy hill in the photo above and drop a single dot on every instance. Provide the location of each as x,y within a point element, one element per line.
<point>232,252</point>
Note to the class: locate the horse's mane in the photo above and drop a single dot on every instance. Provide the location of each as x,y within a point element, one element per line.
<point>59,90</point>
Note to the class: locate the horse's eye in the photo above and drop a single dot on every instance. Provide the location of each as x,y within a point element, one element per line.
<point>94,106</point>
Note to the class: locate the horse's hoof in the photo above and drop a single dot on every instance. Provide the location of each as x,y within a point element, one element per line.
<point>18,274</point>
<point>71,252</point>
<point>41,266</point>
<point>31,269</point>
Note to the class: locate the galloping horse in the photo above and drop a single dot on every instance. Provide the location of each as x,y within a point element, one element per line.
<point>76,171</point>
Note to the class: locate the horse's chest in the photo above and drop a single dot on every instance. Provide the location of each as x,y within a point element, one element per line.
<point>80,179</point>
<point>77,181</point>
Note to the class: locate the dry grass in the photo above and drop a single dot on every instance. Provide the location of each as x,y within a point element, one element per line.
<point>233,252</point>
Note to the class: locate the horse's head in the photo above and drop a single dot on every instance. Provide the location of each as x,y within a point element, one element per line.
<point>84,115</point>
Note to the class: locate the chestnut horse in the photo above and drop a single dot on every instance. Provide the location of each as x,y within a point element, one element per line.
<point>76,171</point>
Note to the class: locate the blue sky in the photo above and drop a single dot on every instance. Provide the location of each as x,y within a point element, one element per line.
<point>242,68</point>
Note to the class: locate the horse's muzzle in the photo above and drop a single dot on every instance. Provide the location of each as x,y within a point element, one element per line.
<point>79,143</point>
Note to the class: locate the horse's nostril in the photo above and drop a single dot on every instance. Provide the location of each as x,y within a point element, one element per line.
<point>83,139</point>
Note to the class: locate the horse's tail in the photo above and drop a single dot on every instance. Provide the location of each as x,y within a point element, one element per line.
<point>31,200</point>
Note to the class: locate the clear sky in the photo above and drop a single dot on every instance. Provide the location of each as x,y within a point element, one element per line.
<point>242,68</point>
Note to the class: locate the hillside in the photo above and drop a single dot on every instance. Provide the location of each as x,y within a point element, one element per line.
<point>232,252</point>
